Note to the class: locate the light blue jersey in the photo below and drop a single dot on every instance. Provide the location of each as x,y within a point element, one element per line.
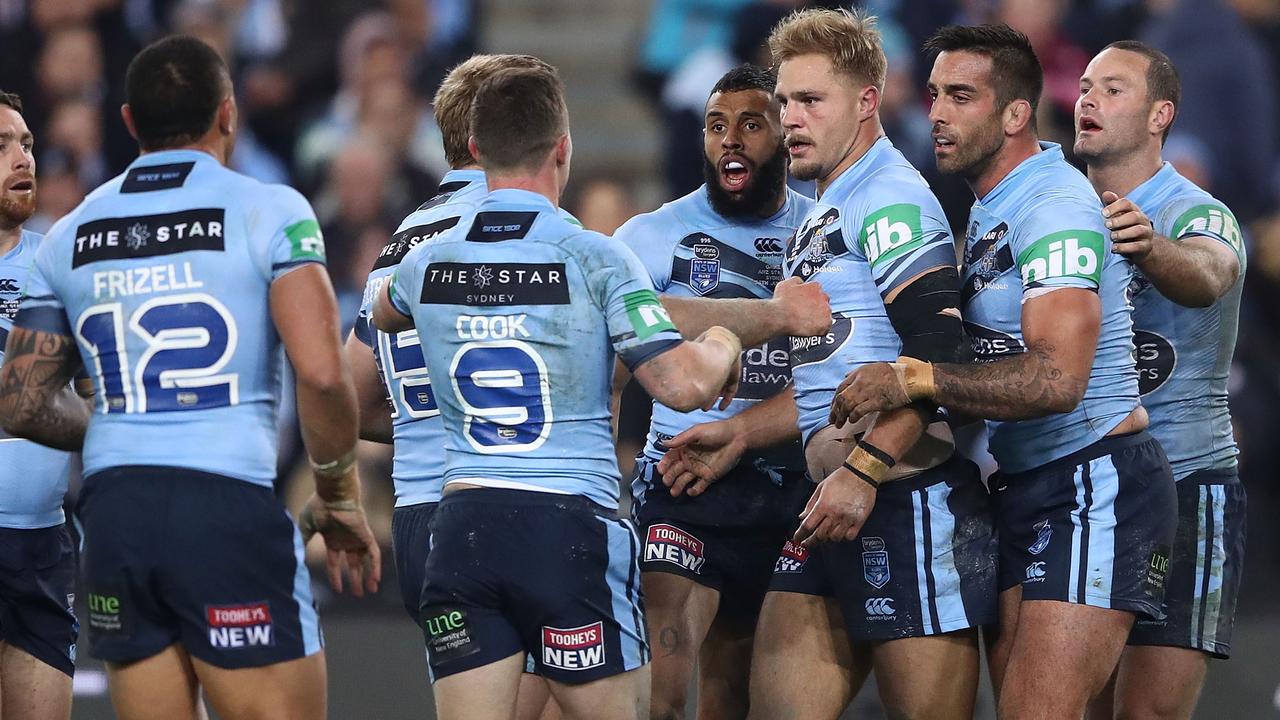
<point>162,276</point>
<point>1184,354</point>
<point>690,250</point>
<point>33,478</point>
<point>418,462</point>
<point>525,311</point>
<point>876,227</point>
<point>1041,228</point>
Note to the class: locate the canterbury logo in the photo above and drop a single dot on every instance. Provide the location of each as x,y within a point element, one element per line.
<point>768,245</point>
<point>8,285</point>
<point>880,606</point>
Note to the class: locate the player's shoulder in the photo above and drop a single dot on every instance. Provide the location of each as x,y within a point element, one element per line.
<point>657,224</point>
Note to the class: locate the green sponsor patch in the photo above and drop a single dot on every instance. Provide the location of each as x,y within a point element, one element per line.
<point>1064,254</point>
<point>305,241</point>
<point>1210,219</point>
<point>646,314</point>
<point>890,232</point>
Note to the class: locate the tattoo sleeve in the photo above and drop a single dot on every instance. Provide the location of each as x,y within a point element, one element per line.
<point>1022,387</point>
<point>36,397</point>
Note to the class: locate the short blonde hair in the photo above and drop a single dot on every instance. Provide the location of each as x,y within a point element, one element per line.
<point>849,39</point>
<point>457,92</point>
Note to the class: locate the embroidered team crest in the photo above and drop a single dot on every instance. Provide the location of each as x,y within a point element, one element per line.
<point>1044,532</point>
<point>875,562</point>
<point>704,275</point>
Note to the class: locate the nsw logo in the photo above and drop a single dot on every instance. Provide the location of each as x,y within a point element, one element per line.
<point>1044,532</point>
<point>239,626</point>
<point>668,543</point>
<point>875,562</point>
<point>704,275</point>
<point>879,608</point>
<point>792,558</point>
<point>579,648</point>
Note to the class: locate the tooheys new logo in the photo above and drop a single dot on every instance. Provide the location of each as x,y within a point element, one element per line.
<point>1064,254</point>
<point>887,233</point>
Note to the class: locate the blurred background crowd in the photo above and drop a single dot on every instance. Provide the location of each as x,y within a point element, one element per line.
<point>334,100</point>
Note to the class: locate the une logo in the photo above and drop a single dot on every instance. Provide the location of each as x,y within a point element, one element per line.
<point>445,623</point>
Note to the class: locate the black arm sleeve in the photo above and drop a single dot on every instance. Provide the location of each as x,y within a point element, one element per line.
<point>926,315</point>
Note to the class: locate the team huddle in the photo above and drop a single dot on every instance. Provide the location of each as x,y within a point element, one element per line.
<point>806,510</point>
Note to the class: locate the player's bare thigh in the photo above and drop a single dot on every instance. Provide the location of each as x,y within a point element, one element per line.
<point>31,689</point>
<point>928,678</point>
<point>487,692</point>
<point>679,613</point>
<point>1153,683</point>
<point>161,687</point>
<point>1062,655</point>
<point>624,696</point>
<point>724,667</point>
<point>802,665</point>
<point>289,690</point>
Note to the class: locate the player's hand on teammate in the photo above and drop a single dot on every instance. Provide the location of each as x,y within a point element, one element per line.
<point>871,388</point>
<point>699,456</point>
<point>836,510</point>
<point>730,388</point>
<point>804,305</point>
<point>1131,232</point>
<point>348,541</point>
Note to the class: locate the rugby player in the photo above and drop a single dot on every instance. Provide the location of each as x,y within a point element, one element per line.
<point>1085,501</point>
<point>906,596</point>
<point>178,281</point>
<point>38,627</point>
<point>707,559</point>
<point>1189,259</point>
<point>525,311</point>
<point>397,400</point>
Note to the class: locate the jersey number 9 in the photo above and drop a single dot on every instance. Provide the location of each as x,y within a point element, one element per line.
<point>502,387</point>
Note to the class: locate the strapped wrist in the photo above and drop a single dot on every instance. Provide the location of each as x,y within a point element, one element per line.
<point>915,377</point>
<point>336,481</point>
<point>725,337</point>
<point>869,463</point>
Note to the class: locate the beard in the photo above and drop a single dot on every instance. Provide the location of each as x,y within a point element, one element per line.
<point>16,210</point>
<point>763,187</point>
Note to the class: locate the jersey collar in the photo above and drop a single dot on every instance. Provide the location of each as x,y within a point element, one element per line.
<point>859,170</point>
<point>1049,154</point>
<point>165,157</point>
<point>462,176</point>
<point>1145,192</point>
<point>523,198</point>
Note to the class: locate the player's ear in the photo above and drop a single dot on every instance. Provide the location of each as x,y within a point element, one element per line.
<point>564,147</point>
<point>1162,114</point>
<point>127,116</point>
<point>1017,116</point>
<point>868,102</point>
<point>473,148</point>
<point>227,115</point>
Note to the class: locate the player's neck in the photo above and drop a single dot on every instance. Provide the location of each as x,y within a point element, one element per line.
<point>9,237</point>
<point>1121,175</point>
<point>543,183</point>
<point>868,133</point>
<point>208,146</point>
<point>1016,151</point>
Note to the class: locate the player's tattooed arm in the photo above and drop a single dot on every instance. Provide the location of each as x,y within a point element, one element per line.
<point>1061,332</point>
<point>796,308</point>
<point>37,401</point>
<point>1193,271</point>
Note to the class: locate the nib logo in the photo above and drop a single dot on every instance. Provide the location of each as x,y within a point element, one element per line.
<point>888,233</point>
<point>1067,254</point>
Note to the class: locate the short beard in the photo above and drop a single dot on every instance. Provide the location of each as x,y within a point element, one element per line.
<point>16,212</point>
<point>767,182</point>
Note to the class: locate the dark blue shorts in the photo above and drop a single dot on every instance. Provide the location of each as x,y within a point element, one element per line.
<point>512,571</point>
<point>411,536</point>
<point>727,538</point>
<point>1205,568</point>
<point>923,564</point>
<point>215,564</point>
<point>1093,528</point>
<point>37,594</point>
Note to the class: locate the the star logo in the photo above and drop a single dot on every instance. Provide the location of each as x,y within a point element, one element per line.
<point>137,236</point>
<point>483,277</point>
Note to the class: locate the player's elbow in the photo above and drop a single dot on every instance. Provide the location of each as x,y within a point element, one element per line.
<point>685,394</point>
<point>1068,394</point>
<point>324,379</point>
